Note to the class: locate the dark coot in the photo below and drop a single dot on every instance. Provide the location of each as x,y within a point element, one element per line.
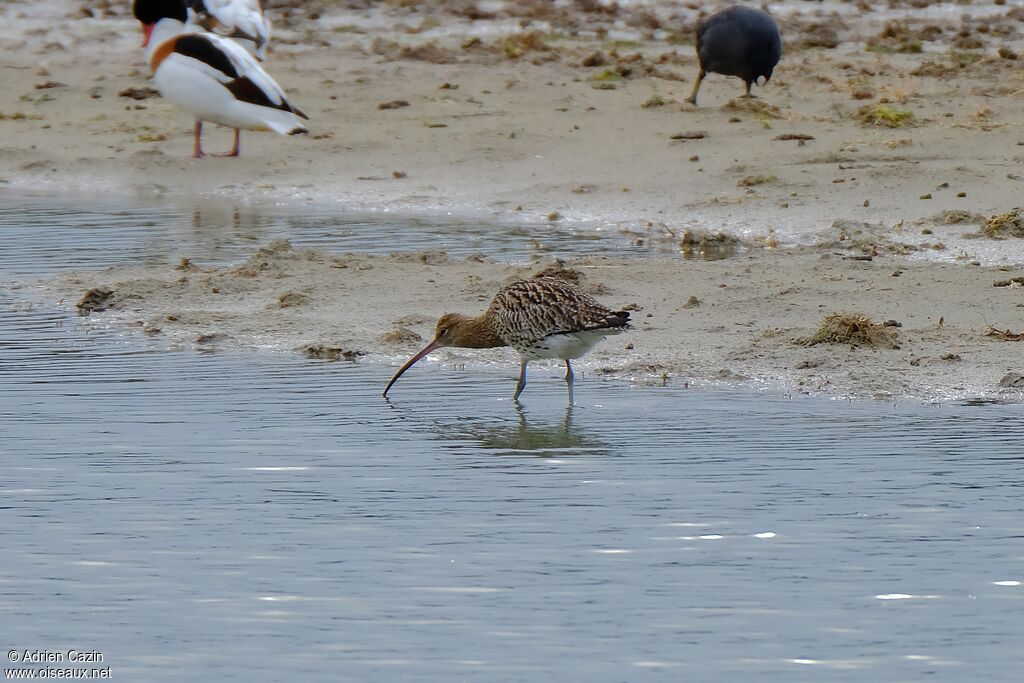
<point>738,41</point>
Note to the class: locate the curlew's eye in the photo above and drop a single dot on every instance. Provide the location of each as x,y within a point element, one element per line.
<point>443,332</point>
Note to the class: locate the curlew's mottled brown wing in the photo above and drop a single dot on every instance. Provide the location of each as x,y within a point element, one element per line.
<point>527,311</point>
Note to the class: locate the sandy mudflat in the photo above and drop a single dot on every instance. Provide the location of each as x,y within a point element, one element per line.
<point>503,119</point>
<point>739,320</point>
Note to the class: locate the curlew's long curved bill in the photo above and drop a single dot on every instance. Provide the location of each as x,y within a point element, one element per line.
<point>412,361</point>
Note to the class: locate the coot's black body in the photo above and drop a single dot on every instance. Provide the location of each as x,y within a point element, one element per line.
<point>738,41</point>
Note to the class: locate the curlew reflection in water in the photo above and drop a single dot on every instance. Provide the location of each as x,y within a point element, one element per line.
<point>530,432</point>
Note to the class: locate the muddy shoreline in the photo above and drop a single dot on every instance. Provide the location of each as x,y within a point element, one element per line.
<point>748,320</point>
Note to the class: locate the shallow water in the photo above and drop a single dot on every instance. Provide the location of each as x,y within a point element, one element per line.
<point>262,517</point>
<point>45,234</point>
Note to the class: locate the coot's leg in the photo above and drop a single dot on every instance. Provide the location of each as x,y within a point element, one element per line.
<point>692,99</point>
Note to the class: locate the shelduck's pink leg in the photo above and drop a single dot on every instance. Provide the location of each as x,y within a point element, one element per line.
<point>197,147</point>
<point>237,148</point>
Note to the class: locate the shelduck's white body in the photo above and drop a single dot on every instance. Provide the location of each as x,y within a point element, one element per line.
<point>202,89</point>
<point>211,77</point>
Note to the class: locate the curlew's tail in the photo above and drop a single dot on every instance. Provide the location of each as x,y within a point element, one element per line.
<point>619,319</point>
<point>614,321</point>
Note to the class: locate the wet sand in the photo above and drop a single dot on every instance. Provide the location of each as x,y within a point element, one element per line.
<point>519,127</point>
<point>745,320</point>
<point>529,114</point>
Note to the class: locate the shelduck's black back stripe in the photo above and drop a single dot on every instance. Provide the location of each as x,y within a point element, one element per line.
<point>245,90</point>
<point>200,47</point>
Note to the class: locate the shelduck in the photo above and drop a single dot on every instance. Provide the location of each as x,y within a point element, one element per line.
<point>241,20</point>
<point>211,77</point>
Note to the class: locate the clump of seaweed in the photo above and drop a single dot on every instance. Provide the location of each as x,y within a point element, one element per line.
<point>1004,225</point>
<point>936,69</point>
<point>655,100</point>
<point>95,300</point>
<point>518,44</point>
<point>427,52</point>
<point>896,37</point>
<point>1003,335</point>
<point>558,269</point>
<point>328,353</point>
<point>820,34</point>
<point>884,115</point>
<point>854,330</point>
<point>708,246</point>
<point>956,216</point>
<point>605,80</point>
<point>754,180</point>
<point>965,58</point>
<point>608,75</point>
<point>753,106</point>
<point>19,116</point>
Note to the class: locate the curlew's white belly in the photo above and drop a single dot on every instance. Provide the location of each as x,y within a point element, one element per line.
<point>567,346</point>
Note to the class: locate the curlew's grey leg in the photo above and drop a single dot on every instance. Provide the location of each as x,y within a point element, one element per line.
<point>197,146</point>
<point>692,99</point>
<point>569,377</point>
<point>521,384</point>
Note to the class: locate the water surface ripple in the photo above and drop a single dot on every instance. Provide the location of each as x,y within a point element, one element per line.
<point>263,517</point>
<point>46,234</point>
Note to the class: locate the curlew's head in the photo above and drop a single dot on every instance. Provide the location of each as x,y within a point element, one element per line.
<point>454,329</point>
